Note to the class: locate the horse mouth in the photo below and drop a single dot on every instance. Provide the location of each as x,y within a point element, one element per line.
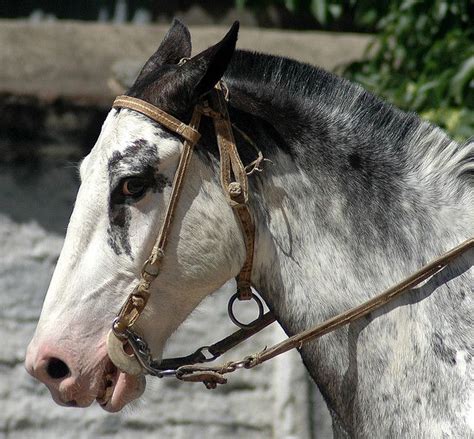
<point>119,388</point>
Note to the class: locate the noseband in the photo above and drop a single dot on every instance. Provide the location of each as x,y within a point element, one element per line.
<point>234,182</point>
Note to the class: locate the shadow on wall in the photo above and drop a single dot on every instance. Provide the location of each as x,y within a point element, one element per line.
<point>39,192</point>
<point>41,146</point>
<point>32,130</point>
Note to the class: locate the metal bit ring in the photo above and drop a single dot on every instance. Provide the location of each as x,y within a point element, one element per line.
<point>230,310</point>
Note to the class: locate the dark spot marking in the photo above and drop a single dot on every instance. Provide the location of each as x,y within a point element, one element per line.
<point>118,230</point>
<point>140,159</point>
<point>443,352</point>
<point>118,217</point>
<point>355,161</point>
<point>165,134</point>
<point>416,348</point>
<point>418,400</point>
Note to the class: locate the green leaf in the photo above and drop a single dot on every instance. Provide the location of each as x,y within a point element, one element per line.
<point>368,18</point>
<point>291,5</point>
<point>240,4</point>
<point>335,10</point>
<point>463,77</point>
<point>319,10</point>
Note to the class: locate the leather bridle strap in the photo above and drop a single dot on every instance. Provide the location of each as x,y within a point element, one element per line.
<point>234,183</point>
<point>219,348</point>
<point>137,300</point>
<point>189,132</point>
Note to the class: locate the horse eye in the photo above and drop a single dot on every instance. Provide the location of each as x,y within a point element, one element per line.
<point>134,187</point>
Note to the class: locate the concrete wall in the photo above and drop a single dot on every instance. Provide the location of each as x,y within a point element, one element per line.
<point>79,63</point>
<point>77,60</point>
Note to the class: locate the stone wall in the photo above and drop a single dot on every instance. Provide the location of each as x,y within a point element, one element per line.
<point>77,61</point>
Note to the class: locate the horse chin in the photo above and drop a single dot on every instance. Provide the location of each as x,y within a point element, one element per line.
<point>119,389</point>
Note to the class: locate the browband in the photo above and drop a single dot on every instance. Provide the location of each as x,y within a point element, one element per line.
<point>165,119</point>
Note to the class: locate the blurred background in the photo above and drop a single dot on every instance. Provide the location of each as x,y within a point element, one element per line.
<point>62,63</point>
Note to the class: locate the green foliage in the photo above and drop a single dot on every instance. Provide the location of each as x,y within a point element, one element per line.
<point>423,60</point>
<point>359,15</point>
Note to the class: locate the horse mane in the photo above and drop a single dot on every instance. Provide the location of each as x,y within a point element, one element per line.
<point>339,109</point>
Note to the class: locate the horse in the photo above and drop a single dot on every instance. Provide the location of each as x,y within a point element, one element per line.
<point>355,195</point>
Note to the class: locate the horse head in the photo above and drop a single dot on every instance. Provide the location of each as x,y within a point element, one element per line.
<point>125,185</point>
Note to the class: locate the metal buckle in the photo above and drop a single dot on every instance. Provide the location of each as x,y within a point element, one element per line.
<point>145,271</point>
<point>206,358</point>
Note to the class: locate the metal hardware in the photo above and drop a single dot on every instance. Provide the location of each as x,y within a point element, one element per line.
<point>206,359</point>
<point>145,271</point>
<point>235,320</point>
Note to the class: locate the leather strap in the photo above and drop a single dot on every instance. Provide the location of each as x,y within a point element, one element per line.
<point>219,348</point>
<point>137,300</point>
<point>365,308</point>
<point>232,169</point>
<point>177,186</point>
<point>189,132</point>
<point>234,183</point>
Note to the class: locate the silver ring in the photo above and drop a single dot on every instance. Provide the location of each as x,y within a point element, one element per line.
<point>230,310</point>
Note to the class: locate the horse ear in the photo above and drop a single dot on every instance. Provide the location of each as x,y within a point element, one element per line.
<point>175,46</point>
<point>203,71</point>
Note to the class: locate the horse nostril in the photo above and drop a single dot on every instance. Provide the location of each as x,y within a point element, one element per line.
<point>57,368</point>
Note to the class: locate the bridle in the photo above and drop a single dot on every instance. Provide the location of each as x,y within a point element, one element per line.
<point>234,182</point>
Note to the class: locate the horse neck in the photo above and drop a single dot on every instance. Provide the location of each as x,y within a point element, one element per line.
<point>321,248</point>
<point>309,268</point>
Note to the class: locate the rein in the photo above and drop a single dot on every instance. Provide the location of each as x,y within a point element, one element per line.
<point>234,181</point>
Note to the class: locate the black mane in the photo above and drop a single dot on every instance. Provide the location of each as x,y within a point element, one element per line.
<point>300,91</point>
<point>327,124</point>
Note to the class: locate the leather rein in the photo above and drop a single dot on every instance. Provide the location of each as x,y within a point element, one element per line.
<point>234,181</point>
